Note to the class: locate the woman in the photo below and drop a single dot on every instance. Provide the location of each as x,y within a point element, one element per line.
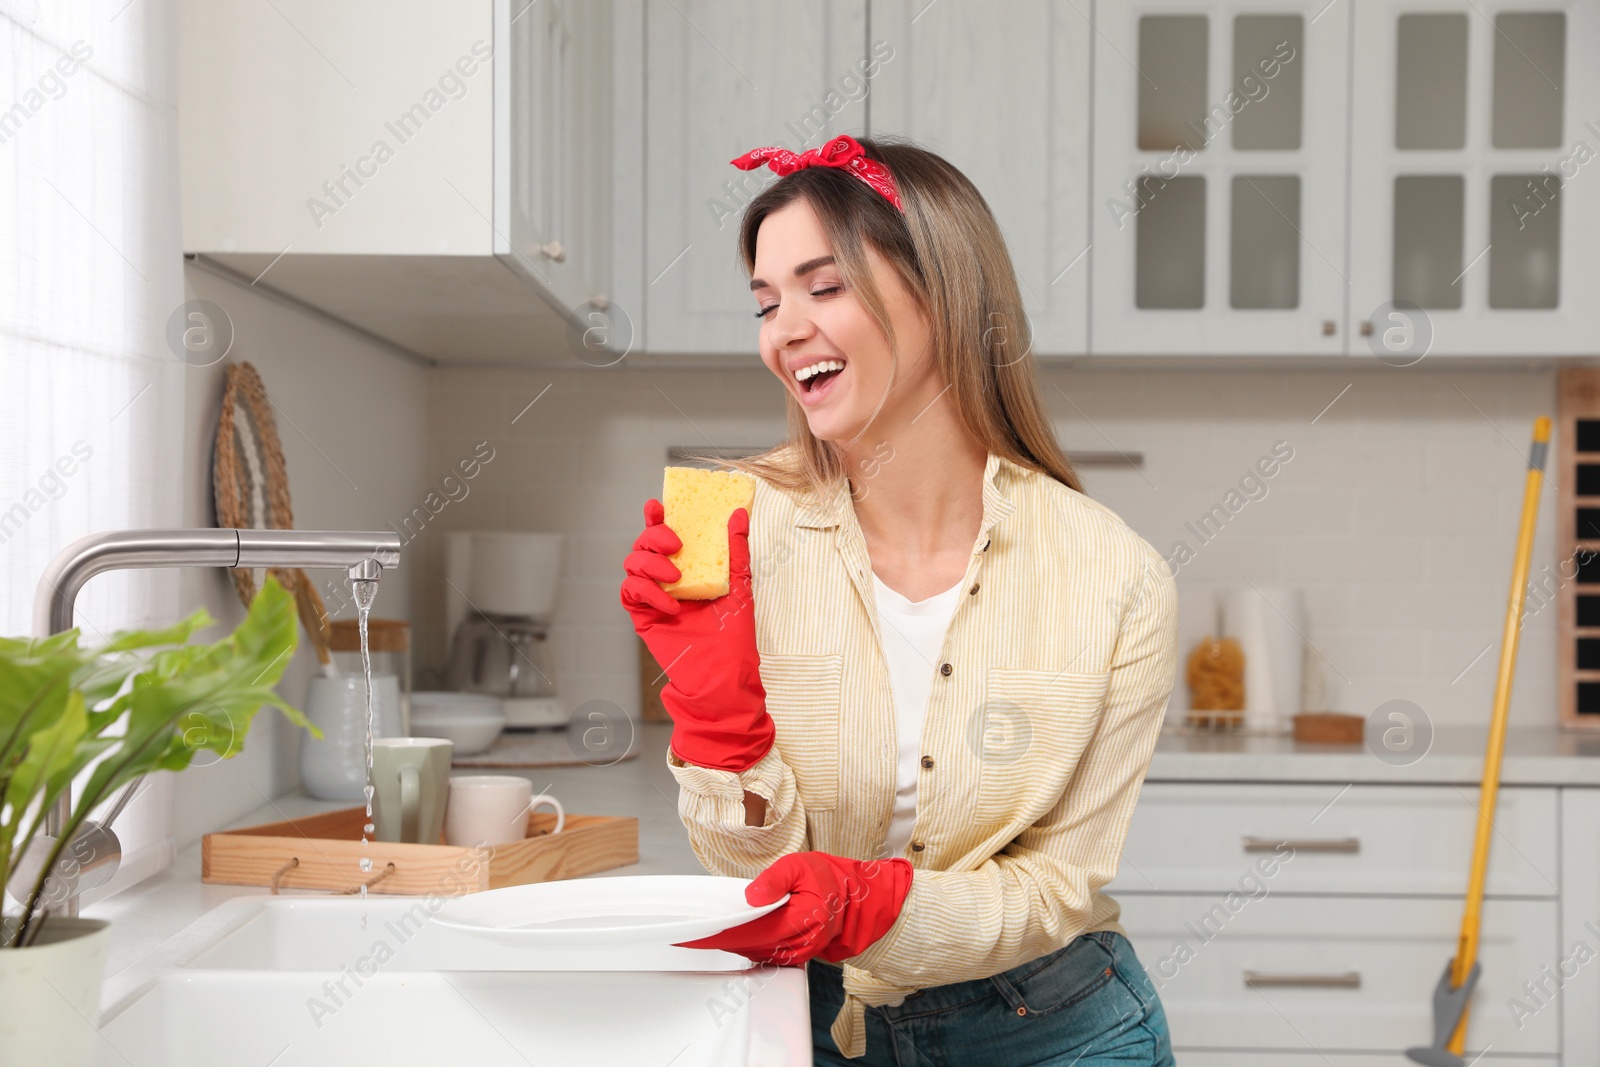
<point>926,706</point>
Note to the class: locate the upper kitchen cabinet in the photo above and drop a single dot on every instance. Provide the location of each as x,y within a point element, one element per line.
<point>720,79</point>
<point>1475,203</point>
<point>552,146</point>
<point>1219,178</point>
<point>436,174</point>
<point>1003,94</point>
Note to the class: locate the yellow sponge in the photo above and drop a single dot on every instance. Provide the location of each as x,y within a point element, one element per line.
<point>697,504</point>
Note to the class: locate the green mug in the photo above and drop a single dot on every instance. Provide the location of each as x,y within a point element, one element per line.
<point>411,784</point>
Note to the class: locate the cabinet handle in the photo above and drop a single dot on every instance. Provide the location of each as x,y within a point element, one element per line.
<point>1347,980</point>
<point>1304,844</point>
<point>1366,329</point>
<point>553,250</point>
<point>1328,327</point>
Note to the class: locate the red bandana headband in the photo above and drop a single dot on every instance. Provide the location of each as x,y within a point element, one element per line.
<point>844,152</point>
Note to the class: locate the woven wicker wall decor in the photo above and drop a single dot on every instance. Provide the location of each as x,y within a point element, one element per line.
<point>251,484</point>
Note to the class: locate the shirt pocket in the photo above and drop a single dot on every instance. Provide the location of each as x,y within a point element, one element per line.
<point>803,698</point>
<point>1029,734</point>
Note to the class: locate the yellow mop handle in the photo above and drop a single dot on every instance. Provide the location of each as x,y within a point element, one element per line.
<point>1471,920</point>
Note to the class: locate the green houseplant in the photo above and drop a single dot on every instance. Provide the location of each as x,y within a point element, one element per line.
<point>144,701</point>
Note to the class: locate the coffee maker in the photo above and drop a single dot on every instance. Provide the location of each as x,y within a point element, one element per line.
<point>500,588</point>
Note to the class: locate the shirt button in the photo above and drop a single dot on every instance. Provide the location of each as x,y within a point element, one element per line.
<point>945,669</point>
<point>974,590</point>
<point>917,846</point>
<point>927,762</point>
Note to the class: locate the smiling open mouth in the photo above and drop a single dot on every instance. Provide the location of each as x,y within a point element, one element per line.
<point>817,375</point>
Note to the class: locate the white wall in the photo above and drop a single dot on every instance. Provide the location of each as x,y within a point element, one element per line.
<point>350,414</point>
<point>582,461</point>
<point>1396,514</point>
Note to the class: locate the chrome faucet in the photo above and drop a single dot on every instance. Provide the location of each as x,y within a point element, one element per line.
<point>94,853</point>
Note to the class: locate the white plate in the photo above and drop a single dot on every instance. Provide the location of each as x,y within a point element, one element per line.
<point>642,909</point>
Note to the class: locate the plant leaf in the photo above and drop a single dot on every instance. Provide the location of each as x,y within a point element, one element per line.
<point>46,766</point>
<point>176,634</point>
<point>33,693</point>
<point>144,701</point>
<point>204,697</point>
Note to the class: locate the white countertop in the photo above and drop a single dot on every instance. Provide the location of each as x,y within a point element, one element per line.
<point>1534,755</point>
<point>147,915</point>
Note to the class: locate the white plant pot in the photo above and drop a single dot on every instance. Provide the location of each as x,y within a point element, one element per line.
<point>50,995</point>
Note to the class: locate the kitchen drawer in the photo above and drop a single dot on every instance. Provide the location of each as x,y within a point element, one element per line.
<point>1203,838</point>
<point>1377,961</point>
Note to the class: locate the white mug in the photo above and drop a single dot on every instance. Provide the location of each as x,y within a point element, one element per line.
<point>492,809</point>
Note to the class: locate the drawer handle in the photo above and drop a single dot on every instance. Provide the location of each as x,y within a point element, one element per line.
<point>1304,844</point>
<point>1347,980</point>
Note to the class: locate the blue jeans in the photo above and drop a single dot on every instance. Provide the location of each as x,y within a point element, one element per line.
<point>1089,1004</point>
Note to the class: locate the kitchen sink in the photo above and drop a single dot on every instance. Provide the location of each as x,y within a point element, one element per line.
<point>287,981</point>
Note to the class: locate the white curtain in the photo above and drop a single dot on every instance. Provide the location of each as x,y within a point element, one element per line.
<point>91,394</point>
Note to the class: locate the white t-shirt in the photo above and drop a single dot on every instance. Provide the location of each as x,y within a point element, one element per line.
<point>913,635</point>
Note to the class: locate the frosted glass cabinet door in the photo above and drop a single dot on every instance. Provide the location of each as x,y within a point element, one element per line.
<point>1475,163</point>
<point>1218,215</point>
<point>1003,93</point>
<point>723,77</point>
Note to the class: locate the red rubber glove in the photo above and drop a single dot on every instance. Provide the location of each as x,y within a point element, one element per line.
<point>707,647</point>
<point>837,907</point>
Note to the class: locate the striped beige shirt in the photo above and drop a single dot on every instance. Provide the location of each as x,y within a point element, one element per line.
<point>1047,699</point>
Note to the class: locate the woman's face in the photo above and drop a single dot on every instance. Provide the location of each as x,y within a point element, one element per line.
<point>809,320</point>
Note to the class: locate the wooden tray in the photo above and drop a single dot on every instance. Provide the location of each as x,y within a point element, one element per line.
<point>324,852</point>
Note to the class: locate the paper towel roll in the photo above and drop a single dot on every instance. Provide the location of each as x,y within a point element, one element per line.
<point>1268,623</point>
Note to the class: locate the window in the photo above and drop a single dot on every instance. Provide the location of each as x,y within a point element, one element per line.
<point>91,399</point>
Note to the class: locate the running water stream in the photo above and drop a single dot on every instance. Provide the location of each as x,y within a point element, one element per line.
<point>365,592</point>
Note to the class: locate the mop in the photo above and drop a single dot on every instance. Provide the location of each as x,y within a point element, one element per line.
<point>1460,976</point>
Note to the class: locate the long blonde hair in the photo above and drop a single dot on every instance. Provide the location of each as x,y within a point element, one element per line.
<point>949,253</point>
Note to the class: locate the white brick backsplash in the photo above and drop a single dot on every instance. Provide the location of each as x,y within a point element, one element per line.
<point>1379,649</point>
<point>1301,511</point>
<point>1360,464</point>
<point>483,508</point>
<point>618,687</point>
<point>1424,514</point>
<point>1397,513</point>
<point>600,555</point>
<point>1229,556</point>
<point>1414,605</point>
<point>1452,651</point>
<point>551,462</point>
<point>471,413</point>
<point>1368,559</point>
<point>593,601</point>
<point>610,648</point>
